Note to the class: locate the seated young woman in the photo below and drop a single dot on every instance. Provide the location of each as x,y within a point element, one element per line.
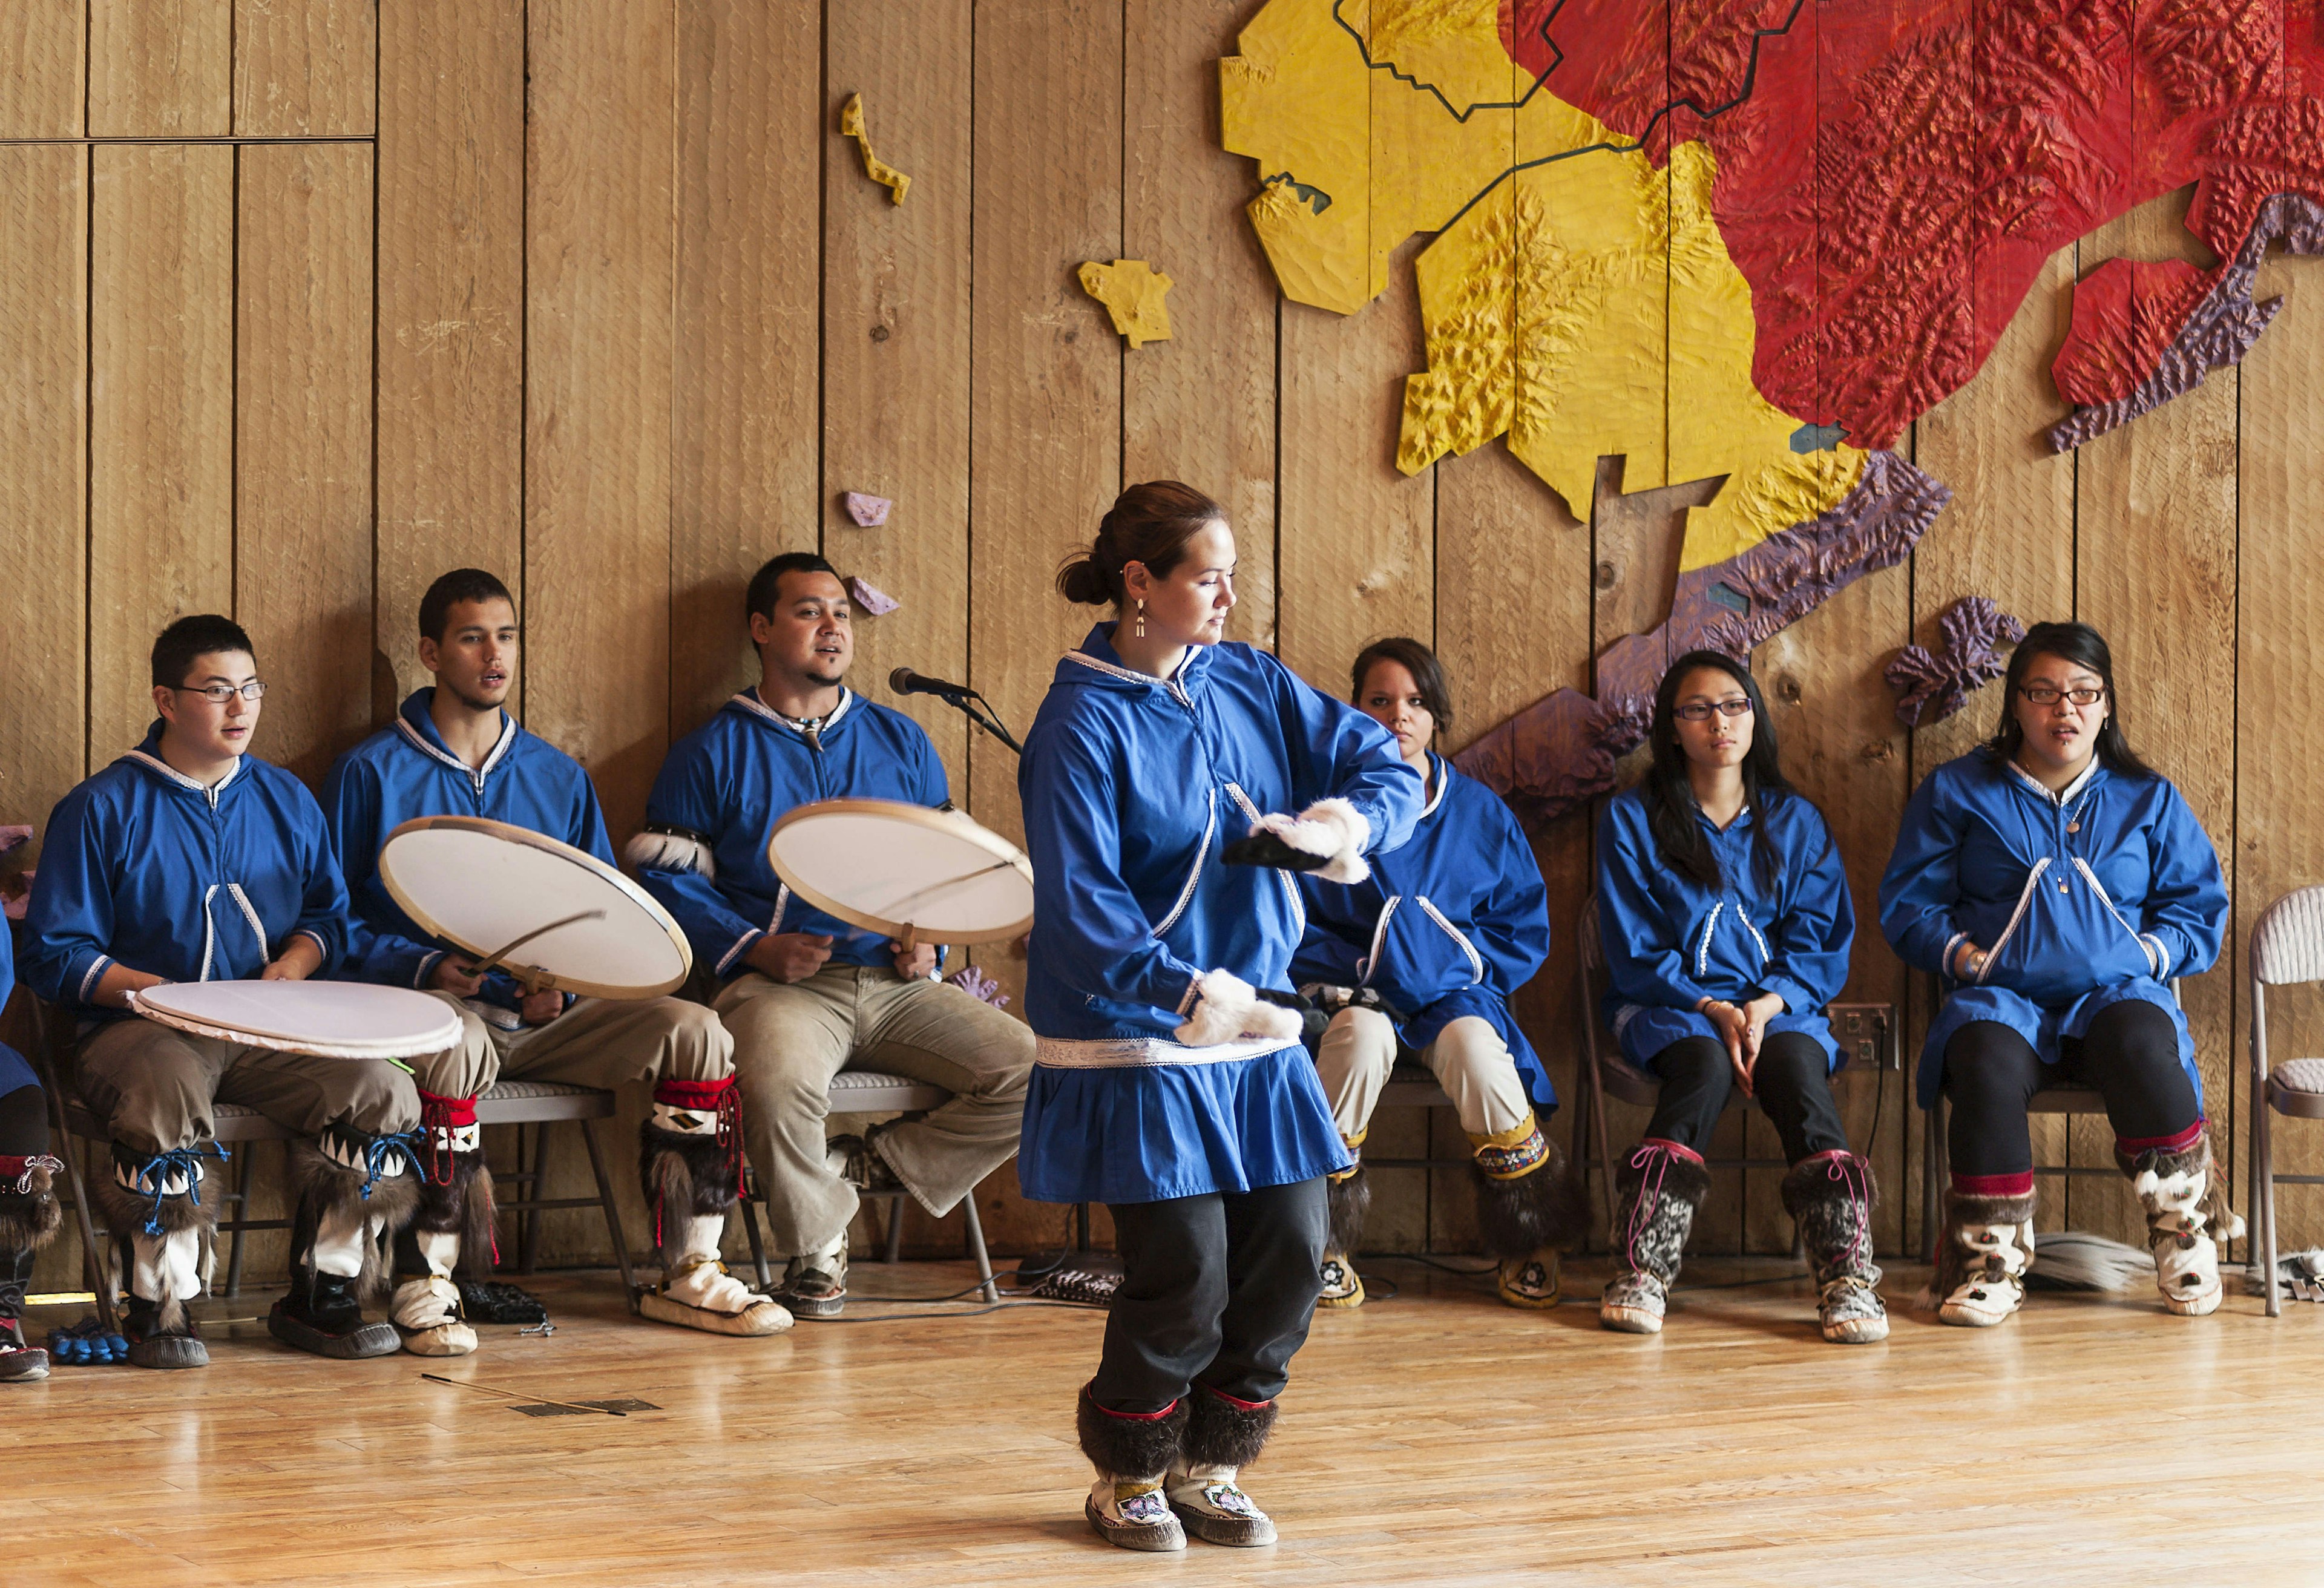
<point>1426,954</point>
<point>1726,921</point>
<point>2056,883</point>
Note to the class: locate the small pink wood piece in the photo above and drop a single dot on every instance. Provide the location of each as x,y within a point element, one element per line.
<point>868,511</point>
<point>870,597</point>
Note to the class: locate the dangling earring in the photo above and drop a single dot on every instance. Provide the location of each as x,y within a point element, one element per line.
<point>1141,630</point>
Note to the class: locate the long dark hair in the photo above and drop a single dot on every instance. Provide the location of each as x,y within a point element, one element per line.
<point>1150,523</point>
<point>1671,809</point>
<point>2083,646</point>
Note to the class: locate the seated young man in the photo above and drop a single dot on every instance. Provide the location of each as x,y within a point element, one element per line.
<point>454,750</point>
<point>189,860</point>
<point>803,993</point>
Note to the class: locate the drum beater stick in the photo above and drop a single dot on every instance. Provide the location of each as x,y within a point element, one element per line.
<point>519,1395</point>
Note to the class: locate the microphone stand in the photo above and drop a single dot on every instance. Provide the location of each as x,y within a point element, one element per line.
<point>967,703</point>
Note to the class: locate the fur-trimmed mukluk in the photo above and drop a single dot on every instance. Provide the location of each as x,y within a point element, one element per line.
<point>1983,1251</point>
<point>2185,1200</point>
<point>354,1192</point>
<point>449,1232</point>
<point>1531,1209</point>
<point>1348,1197</point>
<point>163,1245</point>
<point>690,1165</point>
<point>1830,1197</point>
<point>1658,1191</point>
<point>29,1217</point>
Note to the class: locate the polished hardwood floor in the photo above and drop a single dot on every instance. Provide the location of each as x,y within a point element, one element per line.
<point>1436,1437</point>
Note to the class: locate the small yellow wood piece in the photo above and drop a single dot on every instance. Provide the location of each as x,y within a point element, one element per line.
<point>1132,290</point>
<point>851,124</point>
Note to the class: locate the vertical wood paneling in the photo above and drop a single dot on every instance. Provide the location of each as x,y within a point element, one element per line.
<point>160,415</point>
<point>1199,407</point>
<point>43,450</point>
<point>598,247</point>
<point>1044,457</point>
<point>2155,571</point>
<point>160,68</point>
<point>1512,624</point>
<point>896,348</point>
<point>302,408</point>
<point>2279,839</point>
<point>1357,538</point>
<point>42,74</point>
<point>309,67</point>
<point>2009,536</point>
<point>451,310</point>
<point>742,419</point>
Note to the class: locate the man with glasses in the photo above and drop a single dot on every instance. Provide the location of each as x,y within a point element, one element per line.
<point>189,860</point>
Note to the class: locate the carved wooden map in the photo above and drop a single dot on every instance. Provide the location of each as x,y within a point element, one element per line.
<point>1758,238</point>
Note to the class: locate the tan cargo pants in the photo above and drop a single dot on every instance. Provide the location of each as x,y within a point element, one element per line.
<point>790,1039</point>
<point>601,1042</point>
<point>158,1089</point>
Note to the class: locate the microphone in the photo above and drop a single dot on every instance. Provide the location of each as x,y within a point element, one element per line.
<point>905,681</point>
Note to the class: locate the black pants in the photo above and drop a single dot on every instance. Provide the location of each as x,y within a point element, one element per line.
<point>1216,1290</point>
<point>1791,1080</point>
<point>25,1123</point>
<point>2130,1054</point>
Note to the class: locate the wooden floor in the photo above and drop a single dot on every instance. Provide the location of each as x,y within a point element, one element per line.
<point>1437,1437</point>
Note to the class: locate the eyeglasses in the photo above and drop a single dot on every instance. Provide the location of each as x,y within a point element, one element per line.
<point>1699,711</point>
<point>2042,694</point>
<point>219,693</point>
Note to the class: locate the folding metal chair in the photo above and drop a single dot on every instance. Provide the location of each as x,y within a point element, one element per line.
<point>2287,947</point>
<point>871,1091</point>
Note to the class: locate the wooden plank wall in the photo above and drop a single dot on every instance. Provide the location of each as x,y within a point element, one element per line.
<point>308,301</point>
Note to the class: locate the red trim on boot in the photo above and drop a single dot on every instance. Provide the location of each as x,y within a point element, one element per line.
<point>1130,1416</point>
<point>2020,1183</point>
<point>1230,1401</point>
<point>702,1096</point>
<point>1677,1149</point>
<point>439,1116</point>
<point>2131,1146</point>
<point>722,1097</point>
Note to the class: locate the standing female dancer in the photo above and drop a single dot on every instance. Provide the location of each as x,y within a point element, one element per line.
<point>1726,922</point>
<point>1167,1086</point>
<point>1443,936</point>
<point>2054,881</point>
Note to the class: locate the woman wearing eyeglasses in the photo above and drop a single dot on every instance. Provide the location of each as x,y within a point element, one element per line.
<point>2055,882</point>
<point>1726,922</point>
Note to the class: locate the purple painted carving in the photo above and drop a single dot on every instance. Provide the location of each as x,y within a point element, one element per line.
<point>870,597</point>
<point>974,982</point>
<point>868,511</point>
<point>2220,330</point>
<point>1558,752</point>
<point>1937,683</point>
<point>15,887</point>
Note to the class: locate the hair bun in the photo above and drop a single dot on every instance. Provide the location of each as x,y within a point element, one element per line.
<point>1082,581</point>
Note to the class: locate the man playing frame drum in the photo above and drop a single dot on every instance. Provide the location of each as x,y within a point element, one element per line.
<point>803,992</point>
<point>454,750</point>
<point>189,860</point>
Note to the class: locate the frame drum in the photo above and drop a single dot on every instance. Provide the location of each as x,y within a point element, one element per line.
<point>483,885</point>
<point>914,874</point>
<point>326,1020</point>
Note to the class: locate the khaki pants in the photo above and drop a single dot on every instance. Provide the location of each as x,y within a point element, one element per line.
<point>600,1042</point>
<point>789,1041</point>
<point>158,1088</point>
<point>1469,1059</point>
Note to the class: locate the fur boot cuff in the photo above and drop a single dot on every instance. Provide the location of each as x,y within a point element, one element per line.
<point>1222,1432</point>
<point>325,1182</point>
<point>1548,1205</point>
<point>1131,1445</point>
<point>157,1194</point>
<point>29,1211</point>
<point>1350,1203</point>
<point>664,848</point>
<point>1967,1243</point>
<point>1830,1197</point>
<point>1227,1008</point>
<point>687,1176</point>
<point>1333,829</point>
<point>463,1206</point>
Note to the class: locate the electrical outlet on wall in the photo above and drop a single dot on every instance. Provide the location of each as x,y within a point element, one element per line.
<point>1866,1034</point>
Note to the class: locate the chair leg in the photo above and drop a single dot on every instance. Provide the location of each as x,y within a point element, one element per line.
<point>94,1268</point>
<point>1605,1142</point>
<point>895,1230</point>
<point>1578,1152</point>
<point>750,1206</point>
<point>613,1212</point>
<point>2264,1210</point>
<point>975,1229</point>
<point>529,1244</point>
<point>241,1216</point>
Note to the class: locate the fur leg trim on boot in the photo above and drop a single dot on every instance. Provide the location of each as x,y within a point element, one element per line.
<point>1132,1451</point>
<point>452,1226</point>
<point>1657,1191</point>
<point>162,1234</point>
<point>1829,1196</point>
<point>2185,1201</point>
<point>1983,1251</point>
<point>356,1192</point>
<point>1350,1199</point>
<point>30,1213</point>
<point>1224,1436</point>
<point>1531,1208</point>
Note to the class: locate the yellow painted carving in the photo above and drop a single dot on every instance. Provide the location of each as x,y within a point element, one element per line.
<point>1576,300</point>
<point>1132,290</point>
<point>850,125</point>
